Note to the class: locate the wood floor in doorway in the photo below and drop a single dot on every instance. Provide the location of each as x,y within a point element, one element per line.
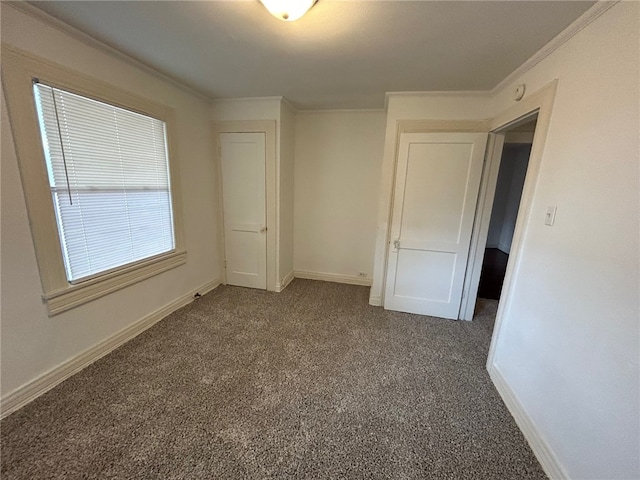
<point>494,268</point>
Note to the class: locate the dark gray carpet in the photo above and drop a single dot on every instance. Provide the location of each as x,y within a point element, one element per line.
<point>308,383</point>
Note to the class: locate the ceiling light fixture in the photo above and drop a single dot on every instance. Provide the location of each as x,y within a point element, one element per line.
<point>288,10</point>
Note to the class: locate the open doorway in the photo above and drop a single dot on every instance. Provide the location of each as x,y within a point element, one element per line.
<point>507,170</point>
<point>504,212</point>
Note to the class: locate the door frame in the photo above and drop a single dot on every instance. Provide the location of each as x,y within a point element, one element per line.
<point>268,127</point>
<point>480,233</point>
<point>540,103</point>
<point>493,161</point>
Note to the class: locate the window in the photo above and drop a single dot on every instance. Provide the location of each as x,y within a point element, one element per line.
<point>109,179</point>
<point>100,182</point>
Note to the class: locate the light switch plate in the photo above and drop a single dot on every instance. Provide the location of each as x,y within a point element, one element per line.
<point>550,217</point>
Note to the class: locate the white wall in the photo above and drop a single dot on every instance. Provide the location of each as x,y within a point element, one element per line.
<point>337,170</point>
<point>416,106</point>
<point>569,343</point>
<point>33,343</point>
<point>259,108</point>
<point>286,178</point>
<point>500,200</point>
<point>521,161</point>
<point>513,169</point>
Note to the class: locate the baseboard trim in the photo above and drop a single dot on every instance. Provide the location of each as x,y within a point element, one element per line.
<point>375,300</point>
<point>332,277</point>
<point>45,382</point>
<point>280,286</point>
<point>506,249</point>
<point>541,449</point>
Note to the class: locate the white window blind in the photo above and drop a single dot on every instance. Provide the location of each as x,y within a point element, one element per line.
<point>109,176</point>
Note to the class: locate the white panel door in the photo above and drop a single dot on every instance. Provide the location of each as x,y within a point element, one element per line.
<point>436,191</point>
<point>244,208</point>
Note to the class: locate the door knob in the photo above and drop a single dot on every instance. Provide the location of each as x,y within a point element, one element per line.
<point>396,244</point>
<point>263,229</point>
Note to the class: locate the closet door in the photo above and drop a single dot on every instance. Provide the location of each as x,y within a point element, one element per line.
<point>244,208</point>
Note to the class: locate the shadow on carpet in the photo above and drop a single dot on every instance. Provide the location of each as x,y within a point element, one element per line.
<point>308,383</point>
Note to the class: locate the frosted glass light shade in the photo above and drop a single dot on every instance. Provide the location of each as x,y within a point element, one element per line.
<point>288,10</point>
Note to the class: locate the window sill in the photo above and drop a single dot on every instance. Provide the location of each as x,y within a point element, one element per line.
<point>76,295</point>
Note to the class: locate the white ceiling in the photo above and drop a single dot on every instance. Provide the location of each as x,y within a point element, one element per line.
<point>342,54</point>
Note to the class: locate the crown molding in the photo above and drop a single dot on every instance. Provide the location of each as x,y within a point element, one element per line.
<point>289,105</point>
<point>248,99</point>
<point>439,93</point>
<point>556,42</point>
<point>436,93</point>
<point>563,37</point>
<point>85,38</point>
<point>578,25</point>
<point>341,110</point>
<point>280,99</point>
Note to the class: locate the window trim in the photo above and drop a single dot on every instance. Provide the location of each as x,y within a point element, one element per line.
<point>19,68</point>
